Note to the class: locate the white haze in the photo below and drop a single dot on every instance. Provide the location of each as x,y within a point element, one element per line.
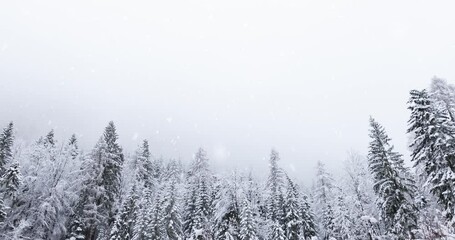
<point>236,77</point>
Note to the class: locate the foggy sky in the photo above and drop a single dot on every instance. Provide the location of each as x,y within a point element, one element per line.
<point>235,77</point>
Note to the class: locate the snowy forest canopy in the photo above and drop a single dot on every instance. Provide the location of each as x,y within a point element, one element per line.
<point>53,190</point>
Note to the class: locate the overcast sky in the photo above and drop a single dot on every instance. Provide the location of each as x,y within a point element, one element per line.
<point>236,77</point>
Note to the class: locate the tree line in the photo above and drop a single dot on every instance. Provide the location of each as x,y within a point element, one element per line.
<point>52,190</point>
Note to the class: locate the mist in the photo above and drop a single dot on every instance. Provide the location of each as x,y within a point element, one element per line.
<point>237,78</point>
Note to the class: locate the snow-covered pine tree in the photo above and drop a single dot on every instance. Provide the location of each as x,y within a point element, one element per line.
<point>144,165</point>
<point>276,232</point>
<point>9,183</point>
<point>49,140</point>
<point>433,149</point>
<point>142,229</point>
<point>308,222</point>
<point>172,221</point>
<point>248,227</point>
<point>274,192</point>
<point>75,231</point>
<point>443,96</point>
<point>227,209</point>
<point>393,185</point>
<point>198,198</point>
<point>292,215</point>
<point>90,214</point>
<point>343,223</point>
<point>124,223</point>
<point>9,179</point>
<point>73,147</point>
<point>156,225</point>
<point>6,144</point>
<point>323,194</point>
<point>111,176</point>
<point>359,193</point>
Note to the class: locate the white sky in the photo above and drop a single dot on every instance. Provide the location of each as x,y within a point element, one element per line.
<point>236,77</point>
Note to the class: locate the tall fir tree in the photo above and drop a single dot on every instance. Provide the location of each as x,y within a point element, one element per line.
<point>433,149</point>
<point>227,209</point>
<point>248,227</point>
<point>443,96</point>
<point>308,220</point>
<point>323,193</point>
<point>95,210</point>
<point>9,177</point>
<point>198,199</point>
<point>292,216</point>
<point>6,145</point>
<point>111,176</point>
<point>275,186</point>
<point>393,185</point>
<point>124,223</point>
<point>172,221</point>
<point>276,232</point>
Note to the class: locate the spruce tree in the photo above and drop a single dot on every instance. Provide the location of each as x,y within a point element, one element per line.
<point>324,201</point>
<point>433,149</point>
<point>198,200</point>
<point>248,228</point>
<point>276,232</point>
<point>393,185</point>
<point>111,176</point>
<point>6,144</point>
<point>172,221</point>
<point>144,166</point>
<point>226,220</point>
<point>73,146</point>
<point>142,230</point>
<point>101,186</point>
<point>308,221</point>
<point>443,96</point>
<point>293,221</point>
<point>10,182</point>
<point>275,185</point>
<point>125,222</point>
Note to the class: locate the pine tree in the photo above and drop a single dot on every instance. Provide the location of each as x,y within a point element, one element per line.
<point>49,140</point>
<point>443,97</point>
<point>342,221</point>
<point>226,220</point>
<point>358,197</point>
<point>172,220</point>
<point>308,222</point>
<point>433,149</point>
<point>276,232</point>
<point>293,220</point>
<point>324,196</point>
<point>75,231</point>
<point>111,175</point>
<point>73,147</point>
<point>275,182</point>
<point>198,198</point>
<point>248,228</point>
<point>124,223</point>
<point>156,226</point>
<point>91,213</point>
<point>6,144</point>
<point>144,165</point>
<point>393,185</point>
<point>10,182</point>
<point>142,229</point>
